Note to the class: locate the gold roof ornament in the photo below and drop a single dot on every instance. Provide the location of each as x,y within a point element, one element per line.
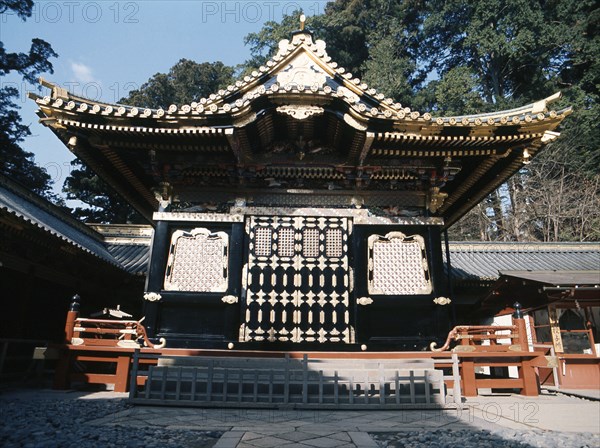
<point>302,22</point>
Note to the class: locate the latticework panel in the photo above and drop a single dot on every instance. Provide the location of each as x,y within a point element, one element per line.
<point>300,291</point>
<point>197,261</point>
<point>398,265</point>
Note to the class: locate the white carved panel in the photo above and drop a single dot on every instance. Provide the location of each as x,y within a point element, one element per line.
<point>302,71</point>
<point>398,265</point>
<point>197,261</point>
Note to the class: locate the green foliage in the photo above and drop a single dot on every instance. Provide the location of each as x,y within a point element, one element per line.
<point>263,44</point>
<point>455,57</point>
<point>186,81</point>
<point>15,162</point>
<point>104,204</point>
<point>458,93</point>
<point>505,44</point>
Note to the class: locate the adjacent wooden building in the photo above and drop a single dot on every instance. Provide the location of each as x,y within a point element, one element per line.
<point>298,208</point>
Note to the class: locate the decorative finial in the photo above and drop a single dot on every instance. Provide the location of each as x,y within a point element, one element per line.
<point>518,313</point>
<point>75,303</point>
<point>302,22</point>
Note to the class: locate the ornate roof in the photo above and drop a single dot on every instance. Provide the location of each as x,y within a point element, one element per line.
<point>300,123</point>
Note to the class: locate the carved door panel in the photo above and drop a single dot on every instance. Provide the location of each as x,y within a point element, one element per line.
<point>296,282</point>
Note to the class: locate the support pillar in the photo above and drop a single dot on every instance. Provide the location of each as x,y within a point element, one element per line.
<point>72,316</point>
<point>61,374</point>
<point>527,372</point>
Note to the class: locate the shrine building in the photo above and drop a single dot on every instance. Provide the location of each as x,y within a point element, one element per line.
<point>298,207</point>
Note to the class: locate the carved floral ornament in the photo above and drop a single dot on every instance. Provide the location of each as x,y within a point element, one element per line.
<point>302,72</point>
<point>152,296</point>
<point>300,112</point>
<point>364,301</point>
<point>442,301</point>
<point>230,300</point>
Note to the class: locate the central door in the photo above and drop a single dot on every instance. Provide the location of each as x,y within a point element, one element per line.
<point>296,284</point>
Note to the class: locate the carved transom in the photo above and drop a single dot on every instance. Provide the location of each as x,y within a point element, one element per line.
<point>398,265</point>
<point>197,261</point>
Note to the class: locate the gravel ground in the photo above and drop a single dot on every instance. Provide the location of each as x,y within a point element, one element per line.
<point>479,438</point>
<point>62,423</point>
<point>57,422</point>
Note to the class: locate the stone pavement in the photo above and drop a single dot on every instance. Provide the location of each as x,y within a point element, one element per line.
<point>260,428</point>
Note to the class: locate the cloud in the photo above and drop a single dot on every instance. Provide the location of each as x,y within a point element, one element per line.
<point>82,72</point>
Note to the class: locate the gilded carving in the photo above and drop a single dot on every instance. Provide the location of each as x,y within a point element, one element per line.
<point>152,297</point>
<point>442,301</point>
<point>230,300</point>
<point>436,199</point>
<point>555,330</point>
<point>290,260</point>
<point>364,301</point>
<point>300,112</point>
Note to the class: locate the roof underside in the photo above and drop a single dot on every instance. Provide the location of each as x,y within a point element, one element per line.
<point>300,126</point>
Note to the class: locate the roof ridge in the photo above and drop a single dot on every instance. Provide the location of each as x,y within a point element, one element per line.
<point>19,189</point>
<point>366,102</point>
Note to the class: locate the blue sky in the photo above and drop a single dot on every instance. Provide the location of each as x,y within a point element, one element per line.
<point>108,47</point>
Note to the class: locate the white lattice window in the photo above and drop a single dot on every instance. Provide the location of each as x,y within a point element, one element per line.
<point>285,242</point>
<point>310,242</point>
<point>398,265</point>
<point>334,243</point>
<point>263,241</point>
<point>197,261</point>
